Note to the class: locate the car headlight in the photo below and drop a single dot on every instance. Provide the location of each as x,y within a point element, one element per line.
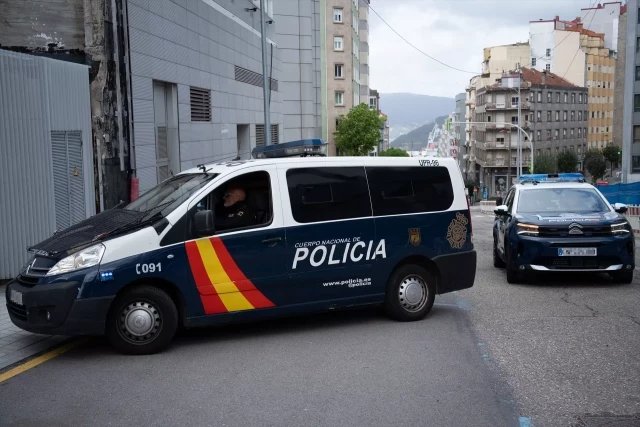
<point>84,258</point>
<point>620,228</point>
<point>527,229</point>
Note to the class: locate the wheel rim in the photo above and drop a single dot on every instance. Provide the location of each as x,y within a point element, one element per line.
<point>413,293</point>
<point>139,322</point>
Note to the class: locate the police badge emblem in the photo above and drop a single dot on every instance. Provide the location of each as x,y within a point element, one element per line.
<point>414,236</point>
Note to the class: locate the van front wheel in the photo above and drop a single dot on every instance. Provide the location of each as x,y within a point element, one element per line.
<point>143,320</point>
<point>410,293</point>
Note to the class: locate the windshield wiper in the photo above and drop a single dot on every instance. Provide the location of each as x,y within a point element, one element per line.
<point>142,220</point>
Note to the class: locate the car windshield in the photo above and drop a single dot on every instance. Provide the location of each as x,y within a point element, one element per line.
<point>168,195</point>
<point>561,200</point>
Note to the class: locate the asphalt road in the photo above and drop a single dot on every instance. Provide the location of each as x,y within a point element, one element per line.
<point>548,352</point>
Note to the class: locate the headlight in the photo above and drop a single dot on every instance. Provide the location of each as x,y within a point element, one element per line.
<point>620,228</point>
<point>87,257</point>
<point>527,229</point>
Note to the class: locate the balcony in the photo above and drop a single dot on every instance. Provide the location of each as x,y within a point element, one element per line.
<point>489,106</point>
<point>496,145</point>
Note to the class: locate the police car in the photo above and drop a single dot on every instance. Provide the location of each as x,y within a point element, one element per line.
<point>560,223</point>
<point>326,233</point>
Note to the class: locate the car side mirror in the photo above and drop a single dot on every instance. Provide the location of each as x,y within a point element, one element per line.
<point>620,207</point>
<point>204,223</point>
<point>499,201</point>
<point>502,210</point>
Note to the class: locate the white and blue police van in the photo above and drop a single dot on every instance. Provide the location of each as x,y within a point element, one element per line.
<point>306,233</point>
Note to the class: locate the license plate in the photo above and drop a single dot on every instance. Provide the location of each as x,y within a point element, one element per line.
<point>577,251</point>
<point>16,296</point>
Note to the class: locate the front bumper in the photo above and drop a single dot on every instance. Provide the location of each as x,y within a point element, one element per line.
<point>54,309</point>
<point>541,254</point>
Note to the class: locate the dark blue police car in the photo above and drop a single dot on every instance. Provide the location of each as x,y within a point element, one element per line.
<point>560,223</point>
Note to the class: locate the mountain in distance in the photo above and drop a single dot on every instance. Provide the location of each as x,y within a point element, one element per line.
<point>408,111</point>
<point>419,137</point>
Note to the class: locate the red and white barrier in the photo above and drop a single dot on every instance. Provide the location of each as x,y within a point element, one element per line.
<point>633,216</point>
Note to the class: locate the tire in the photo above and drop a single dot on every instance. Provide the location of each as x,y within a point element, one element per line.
<point>513,276</point>
<point>411,291</point>
<point>149,332</point>
<point>623,277</point>
<point>497,261</point>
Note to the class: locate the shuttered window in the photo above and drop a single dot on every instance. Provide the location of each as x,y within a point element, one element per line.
<point>260,135</point>
<point>250,77</point>
<point>200,105</point>
<point>68,177</point>
<point>275,134</point>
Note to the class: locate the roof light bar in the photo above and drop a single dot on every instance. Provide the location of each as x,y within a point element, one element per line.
<point>300,148</point>
<point>558,177</point>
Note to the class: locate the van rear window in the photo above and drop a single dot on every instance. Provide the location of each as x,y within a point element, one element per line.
<point>405,190</point>
<point>329,193</point>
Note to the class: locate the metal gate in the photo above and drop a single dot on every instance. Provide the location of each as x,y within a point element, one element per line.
<point>68,177</point>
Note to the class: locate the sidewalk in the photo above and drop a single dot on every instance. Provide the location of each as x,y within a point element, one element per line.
<point>16,344</point>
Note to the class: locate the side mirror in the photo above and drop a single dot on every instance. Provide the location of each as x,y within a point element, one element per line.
<point>204,223</point>
<point>502,210</point>
<point>620,207</point>
<point>498,201</point>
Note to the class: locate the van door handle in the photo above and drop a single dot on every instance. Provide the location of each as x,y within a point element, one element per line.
<point>272,241</point>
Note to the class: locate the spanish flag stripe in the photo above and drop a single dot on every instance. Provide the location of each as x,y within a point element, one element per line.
<point>257,299</point>
<point>230,266</point>
<point>210,300</point>
<point>221,281</point>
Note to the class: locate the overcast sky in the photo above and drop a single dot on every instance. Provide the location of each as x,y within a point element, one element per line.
<point>453,31</point>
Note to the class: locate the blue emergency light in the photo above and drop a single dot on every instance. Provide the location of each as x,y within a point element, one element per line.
<point>548,177</point>
<point>300,148</point>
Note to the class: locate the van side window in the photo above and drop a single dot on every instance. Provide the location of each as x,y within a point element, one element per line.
<point>403,190</point>
<point>330,193</point>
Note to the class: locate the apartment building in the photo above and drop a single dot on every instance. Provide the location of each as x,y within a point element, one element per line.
<point>586,58</point>
<point>470,130</point>
<point>552,114</point>
<point>631,117</point>
<point>363,32</point>
<point>343,63</point>
<point>459,131</point>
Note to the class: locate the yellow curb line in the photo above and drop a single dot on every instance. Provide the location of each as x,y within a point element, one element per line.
<point>40,359</point>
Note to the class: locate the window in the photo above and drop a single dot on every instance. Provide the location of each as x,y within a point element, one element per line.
<point>548,53</point>
<point>200,104</point>
<point>573,98</point>
<point>538,135</point>
<point>337,71</point>
<point>579,132</point>
<point>328,193</point>
<point>514,119</point>
<point>340,98</point>
<point>548,96</point>
<point>580,98</point>
<point>636,103</point>
<point>533,62</point>
<point>635,161</point>
<point>557,97</point>
<point>548,67</point>
<point>566,97</point>
<point>584,131</point>
<point>571,134</point>
<point>637,72</point>
<point>337,43</point>
<point>548,134</point>
<point>577,200</point>
<point>564,116</point>
<point>636,134</point>
<point>514,100</point>
<point>557,116</point>
<point>564,134</point>
<point>579,115</point>
<point>556,133</point>
<point>548,116</point>
<point>593,114</point>
<point>638,41</point>
<point>337,15</point>
<point>402,190</point>
<point>573,116</point>
<point>539,96</point>
<point>538,116</point>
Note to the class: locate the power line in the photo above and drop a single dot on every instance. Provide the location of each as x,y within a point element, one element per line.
<point>419,50</point>
<point>578,50</point>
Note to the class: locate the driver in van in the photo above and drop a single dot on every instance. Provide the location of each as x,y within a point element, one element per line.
<point>236,213</point>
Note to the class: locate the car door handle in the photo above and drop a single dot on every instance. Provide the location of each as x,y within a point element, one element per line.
<point>272,241</point>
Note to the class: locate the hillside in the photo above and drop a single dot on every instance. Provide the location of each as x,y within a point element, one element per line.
<point>408,111</point>
<point>419,136</point>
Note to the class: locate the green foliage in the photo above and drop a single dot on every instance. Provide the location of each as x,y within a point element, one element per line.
<point>359,132</point>
<point>595,164</point>
<point>567,161</point>
<point>393,152</point>
<point>545,163</point>
<point>610,153</point>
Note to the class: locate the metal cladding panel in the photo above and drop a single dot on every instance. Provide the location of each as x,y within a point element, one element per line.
<point>60,179</point>
<point>34,93</point>
<point>75,172</point>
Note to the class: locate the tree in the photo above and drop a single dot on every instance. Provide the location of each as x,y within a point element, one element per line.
<point>595,164</point>
<point>610,153</point>
<point>567,161</point>
<point>544,163</point>
<point>393,152</point>
<point>359,132</point>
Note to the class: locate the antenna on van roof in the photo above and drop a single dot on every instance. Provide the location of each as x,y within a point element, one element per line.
<point>203,168</point>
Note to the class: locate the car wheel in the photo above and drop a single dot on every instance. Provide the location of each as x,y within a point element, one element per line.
<point>143,320</point>
<point>623,276</point>
<point>513,276</point>
<point>411,291</point>
<point>497,261</point>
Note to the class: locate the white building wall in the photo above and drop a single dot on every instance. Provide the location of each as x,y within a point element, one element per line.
<point>541,38</point>
<point>604,20</point>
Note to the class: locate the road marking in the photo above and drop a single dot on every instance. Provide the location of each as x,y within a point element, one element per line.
<point>40,359</point>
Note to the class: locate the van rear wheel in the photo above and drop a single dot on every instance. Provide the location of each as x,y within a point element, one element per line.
<point>410,294</point>
<point>143,320</point>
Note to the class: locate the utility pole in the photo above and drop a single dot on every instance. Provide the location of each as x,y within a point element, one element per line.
<point>265,78</point>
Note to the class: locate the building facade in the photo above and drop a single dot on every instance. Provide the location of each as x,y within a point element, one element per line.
<point>342,43</point>
<point>459,131</point>
<point>363,32</point>
<point>552,113</point>
<point>297,35</point>
<point>631,116</point>
<point>618,83</point>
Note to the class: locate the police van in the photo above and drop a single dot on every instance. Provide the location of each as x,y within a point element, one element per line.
<point>559,223</point>
<point>323,233</point>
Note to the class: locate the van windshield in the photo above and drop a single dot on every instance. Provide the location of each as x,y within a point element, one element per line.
<point>170,194</point>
